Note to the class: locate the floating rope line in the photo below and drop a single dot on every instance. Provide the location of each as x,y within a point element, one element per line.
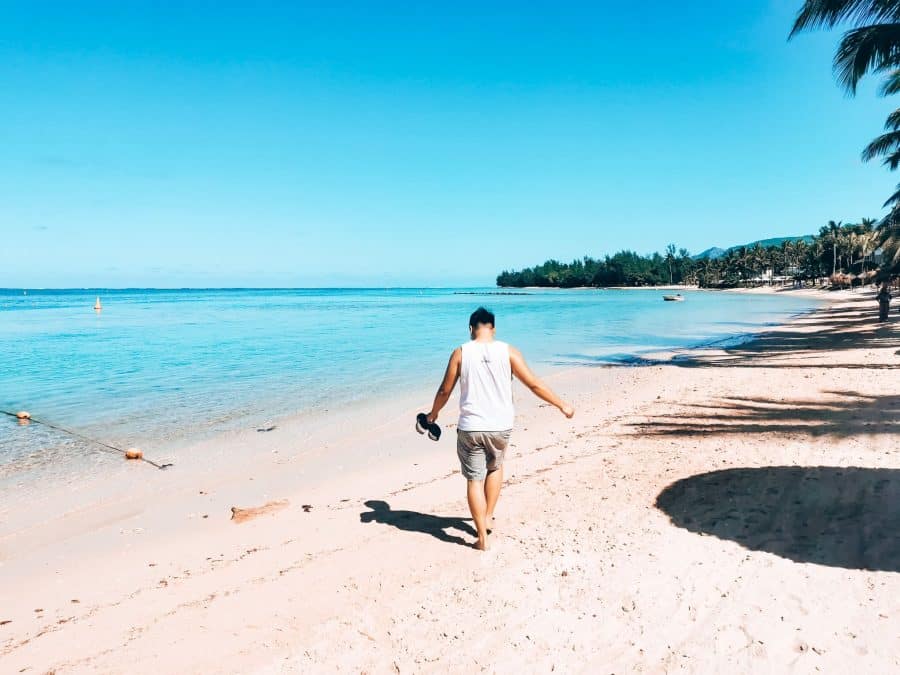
<point>128,454</point>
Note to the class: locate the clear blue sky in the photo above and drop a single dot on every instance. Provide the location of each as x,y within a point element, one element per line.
<point>410,143</point>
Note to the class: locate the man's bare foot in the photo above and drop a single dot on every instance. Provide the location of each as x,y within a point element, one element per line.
<point>481,544</point>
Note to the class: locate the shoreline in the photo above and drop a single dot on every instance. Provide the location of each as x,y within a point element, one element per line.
<point>298,422</point>
<point>182,575</point>
<point>70,499</point>
<point>811,291</point>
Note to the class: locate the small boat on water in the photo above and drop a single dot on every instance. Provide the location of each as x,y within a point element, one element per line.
<point>678,297</point>
<point>97,305</point>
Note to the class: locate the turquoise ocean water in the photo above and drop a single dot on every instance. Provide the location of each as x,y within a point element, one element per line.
<point>168,366</point>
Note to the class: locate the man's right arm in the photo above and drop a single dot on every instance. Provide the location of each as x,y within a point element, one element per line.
<point>451,375</point>
<point>523,372</point>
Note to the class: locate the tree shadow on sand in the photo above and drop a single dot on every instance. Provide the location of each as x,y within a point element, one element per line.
<point>837,413</point>
<point>413,521</point>
<point>838,516</point>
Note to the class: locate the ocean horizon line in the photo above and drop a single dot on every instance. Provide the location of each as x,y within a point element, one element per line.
<point>54,289</point>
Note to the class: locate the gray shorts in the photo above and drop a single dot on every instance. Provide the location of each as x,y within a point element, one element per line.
<point>480,452</point>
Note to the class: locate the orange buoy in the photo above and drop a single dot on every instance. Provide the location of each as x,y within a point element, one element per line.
<point>97,305</point>
<point>134,453</point>
<point>23,415</point>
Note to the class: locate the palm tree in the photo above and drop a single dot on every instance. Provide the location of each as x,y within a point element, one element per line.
<point>798,262</point>
<point>889,238</point>
<point>791,260</point>
<point>788,255</point>
<point>814,257</point>
<point>830,235</point>
<point>872,45</point>
<point>670,259</point>
<point>868,240</point>
<point>704,269</point>
<point>756,260</point>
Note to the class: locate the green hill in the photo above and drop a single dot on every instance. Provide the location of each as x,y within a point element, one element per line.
<point>716,252</point>
<point>777,241</point>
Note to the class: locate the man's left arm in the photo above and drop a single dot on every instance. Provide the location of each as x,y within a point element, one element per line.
<point>451,375</point>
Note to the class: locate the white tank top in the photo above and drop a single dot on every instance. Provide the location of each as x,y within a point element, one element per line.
<point>485,387</point>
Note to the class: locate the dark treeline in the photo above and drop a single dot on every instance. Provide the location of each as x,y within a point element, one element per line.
<point>845,254</point>
<point>625,268</point>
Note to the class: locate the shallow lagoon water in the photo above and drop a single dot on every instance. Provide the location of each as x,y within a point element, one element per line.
<point>170,366</point>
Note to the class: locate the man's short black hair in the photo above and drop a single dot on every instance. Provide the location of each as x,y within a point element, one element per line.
<point>481,316</point>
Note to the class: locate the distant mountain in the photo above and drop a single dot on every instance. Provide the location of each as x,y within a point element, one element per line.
<point>777,241</point>
<point>716,252</point>
<point>711,253</point>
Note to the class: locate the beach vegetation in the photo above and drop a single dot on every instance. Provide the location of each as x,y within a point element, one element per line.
<point>841,254</point>
<point>871,45</point>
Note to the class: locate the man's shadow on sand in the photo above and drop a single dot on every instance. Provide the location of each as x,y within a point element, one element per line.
<point>413,521</point>
<point>838,516</point>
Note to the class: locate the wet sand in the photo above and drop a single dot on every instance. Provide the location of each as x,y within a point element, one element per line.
<point>719,510</point>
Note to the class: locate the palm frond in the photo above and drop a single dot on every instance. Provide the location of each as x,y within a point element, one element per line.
<point>828,13</point>
<point>870,48</point>
<point>883,145</point>
<point>891,84</point>
<point>893,121</point>
<point>892,161</point>
<point>889,231</point>
<point>893,200</point>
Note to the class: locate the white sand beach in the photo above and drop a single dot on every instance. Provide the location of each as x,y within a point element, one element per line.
<point>725,510</point>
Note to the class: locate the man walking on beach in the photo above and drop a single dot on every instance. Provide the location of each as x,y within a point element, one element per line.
<point>484,367</point>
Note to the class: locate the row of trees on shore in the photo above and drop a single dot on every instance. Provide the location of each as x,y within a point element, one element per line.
<point>844,253</point>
